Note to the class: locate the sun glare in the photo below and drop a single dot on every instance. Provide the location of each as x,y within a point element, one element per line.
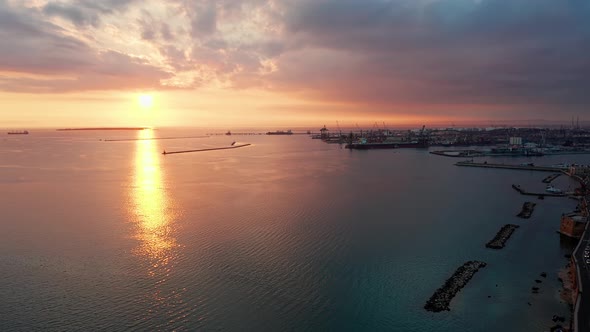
<point>145,100</point>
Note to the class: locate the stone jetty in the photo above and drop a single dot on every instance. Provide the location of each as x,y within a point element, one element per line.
<point>442,297</point>
<point>502,236</point>
<point>550,178</point>
<point>527,210</point>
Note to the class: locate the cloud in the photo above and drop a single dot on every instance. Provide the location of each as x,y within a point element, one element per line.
<point>383,53</point>
<point>85,12</point>
<point>39,56</point>
<point>448,51</point>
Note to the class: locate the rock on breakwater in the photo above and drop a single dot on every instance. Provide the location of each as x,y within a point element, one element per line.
<point>442,297</point>
<point>502,236</point>
<point>527,210</point>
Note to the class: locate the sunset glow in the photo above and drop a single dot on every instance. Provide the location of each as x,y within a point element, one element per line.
<point>145,101</point>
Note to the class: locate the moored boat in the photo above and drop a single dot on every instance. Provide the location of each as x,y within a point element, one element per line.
<point>551,189</point>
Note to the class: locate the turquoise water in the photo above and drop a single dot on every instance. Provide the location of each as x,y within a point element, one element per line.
<point>287,234</point>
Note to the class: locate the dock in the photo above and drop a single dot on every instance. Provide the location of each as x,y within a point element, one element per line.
<point>204,150</point>
<point>527,167</point>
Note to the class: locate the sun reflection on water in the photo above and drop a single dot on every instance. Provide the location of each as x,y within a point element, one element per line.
<point>152,210</point>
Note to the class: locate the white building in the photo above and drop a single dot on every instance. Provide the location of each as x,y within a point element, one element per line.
<point>515,140</point>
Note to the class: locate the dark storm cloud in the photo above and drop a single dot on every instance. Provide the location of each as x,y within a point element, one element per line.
<point>85,12</point>
<point>453,51</point>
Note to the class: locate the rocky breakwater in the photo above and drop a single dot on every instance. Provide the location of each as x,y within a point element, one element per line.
<point>442,297</point>
<point>527,210</point>
<point>502,236</point>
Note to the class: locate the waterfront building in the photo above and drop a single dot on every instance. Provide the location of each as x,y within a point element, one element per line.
<point>573,224</point>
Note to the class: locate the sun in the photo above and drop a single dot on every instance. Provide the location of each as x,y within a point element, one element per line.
<point>145,100</point>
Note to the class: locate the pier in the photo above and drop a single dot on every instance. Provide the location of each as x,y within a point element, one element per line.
<point>204,150</point>
<point>441,299</point>
<point>527,193</point>
<point>499,241</point>
<point>550,178</point>
<point>527,167</point>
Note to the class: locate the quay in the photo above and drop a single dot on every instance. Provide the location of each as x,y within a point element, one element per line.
<point>499,241</point>
<point>442,297</point>
<point>527,167</point>
<point>209,149</point>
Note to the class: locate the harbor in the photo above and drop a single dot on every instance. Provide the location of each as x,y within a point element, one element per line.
<point>573,225</point>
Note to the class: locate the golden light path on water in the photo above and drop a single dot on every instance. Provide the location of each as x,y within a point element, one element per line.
<point>152,210</point>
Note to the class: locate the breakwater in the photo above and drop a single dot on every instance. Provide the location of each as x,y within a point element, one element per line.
<point>499,241</point>
<point>150,139</point>
<point>550,178</point>
<point>527,210</point>
<point>209,149</point>
<point>442,297</point>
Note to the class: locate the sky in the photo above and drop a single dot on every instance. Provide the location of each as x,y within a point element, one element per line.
<point>292,62</point>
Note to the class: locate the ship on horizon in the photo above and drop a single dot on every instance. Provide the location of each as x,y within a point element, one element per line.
<point>280,132</point>
<point>18,132</point>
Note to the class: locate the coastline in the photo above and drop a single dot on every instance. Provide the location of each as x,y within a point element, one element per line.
<point>570,274</point>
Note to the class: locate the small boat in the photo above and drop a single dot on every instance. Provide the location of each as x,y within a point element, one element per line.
<point>552,189</point>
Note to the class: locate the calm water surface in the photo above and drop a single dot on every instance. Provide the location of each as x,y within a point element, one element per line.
<point>287,234</point>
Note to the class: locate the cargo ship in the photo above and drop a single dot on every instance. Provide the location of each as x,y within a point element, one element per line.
<point>364,145</point>
<point>18,132</point>
<point>514,152</point>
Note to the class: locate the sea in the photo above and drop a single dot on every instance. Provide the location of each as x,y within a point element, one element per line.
<point>287,234</point>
